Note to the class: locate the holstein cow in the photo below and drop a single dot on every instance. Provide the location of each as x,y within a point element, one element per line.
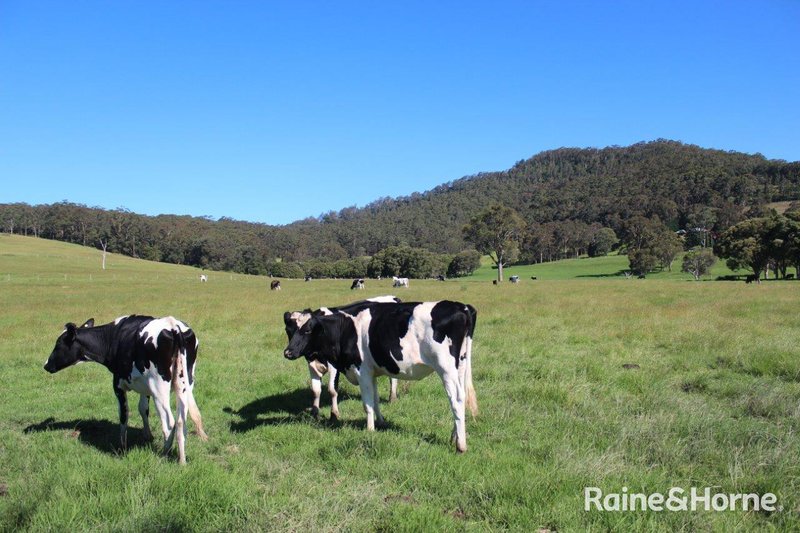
<point>399,282</point>
<point>357,284</point>
<point>402,340</point>
<point>318,367</point>
<point>145,355</point>
<point>203,278</point>
<point>275,285</point>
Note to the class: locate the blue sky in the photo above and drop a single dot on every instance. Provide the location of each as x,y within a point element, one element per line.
<point>275,111</point>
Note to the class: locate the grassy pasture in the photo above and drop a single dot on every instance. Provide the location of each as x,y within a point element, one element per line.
<point>714,403</point>
<point>609,267</point>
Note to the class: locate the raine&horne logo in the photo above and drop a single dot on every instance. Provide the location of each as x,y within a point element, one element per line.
<point>677,499</point>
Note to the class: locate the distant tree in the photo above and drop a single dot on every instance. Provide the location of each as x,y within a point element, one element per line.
<point>699,224</point>
<point>280,269</point>
<point>641,232</point>
<point>539,243</point>
<point>745,245</point>
<point>666,248</point>
<point>793,240</point>
<point>642,260</point>
<point>407,262</point>
<point>698,262</point>
<point>602,242</point>
<point>104,246</point>
<point>497,232</point>
<point>464,263</point>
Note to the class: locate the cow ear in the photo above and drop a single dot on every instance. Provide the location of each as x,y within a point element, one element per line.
<point>88,324</point>
<point>72,331</point>
<point>287,317</point>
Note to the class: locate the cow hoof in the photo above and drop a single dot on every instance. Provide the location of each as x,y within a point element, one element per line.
<point>315,412</point>
<point>334,417</point>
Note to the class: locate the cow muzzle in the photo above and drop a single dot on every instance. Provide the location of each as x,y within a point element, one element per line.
<point>289,354</point>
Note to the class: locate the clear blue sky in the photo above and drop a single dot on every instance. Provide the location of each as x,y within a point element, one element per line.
<point>275,111</point>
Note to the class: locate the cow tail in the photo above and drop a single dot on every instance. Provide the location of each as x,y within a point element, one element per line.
<point>179,381</point>
<point>472,399</point>
<point>185,385</point>
<point>194,413</point>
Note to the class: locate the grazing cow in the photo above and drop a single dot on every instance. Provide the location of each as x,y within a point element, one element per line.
<point>514,279</point>
<point>439,278</point>
<point>789,276</point>
<point>399,282</point>
<point>494,282</point>
<point>275,285</point>
<point>308,278</point>
<point>146,355</point>
<point>641,276</point>
<point>357,284</point>
<point>534,278</point>
<point>317,368</point>
<point>203,278</point>
<point>402,340</point>
<point>751,278</point>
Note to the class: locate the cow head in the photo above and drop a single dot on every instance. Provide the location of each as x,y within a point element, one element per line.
<point>293,320</point>
<point>329,337</point>
<point>67,351</point>
<point>304,332</point>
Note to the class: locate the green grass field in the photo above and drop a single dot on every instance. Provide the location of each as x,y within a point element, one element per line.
<point>714,402</point>
<point>607,267</point>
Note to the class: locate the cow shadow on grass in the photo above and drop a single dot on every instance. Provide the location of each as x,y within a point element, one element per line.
<point>617,274</point>
<point>293,407</point>
<point>100,434</point>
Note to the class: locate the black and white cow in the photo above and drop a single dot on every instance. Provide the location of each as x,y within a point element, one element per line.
<point>275,285</point>
<point>402,340</point>
<point>317,368</point>
<point>145,355</point>
<point>399,282</point>
<point>357,284</point>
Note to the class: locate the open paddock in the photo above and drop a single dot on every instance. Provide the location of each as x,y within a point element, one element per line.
<point>710,398</point>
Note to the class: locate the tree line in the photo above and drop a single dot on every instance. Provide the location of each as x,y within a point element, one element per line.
<point>571,201</point>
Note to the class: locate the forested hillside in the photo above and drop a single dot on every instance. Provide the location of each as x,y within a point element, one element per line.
<point>676,182</point>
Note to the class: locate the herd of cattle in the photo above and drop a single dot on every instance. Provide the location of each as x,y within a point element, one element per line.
<point>364,340</point>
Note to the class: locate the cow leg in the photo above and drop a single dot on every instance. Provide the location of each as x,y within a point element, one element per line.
<point>369,394</point>
<point>316,388</point>
<point>161,403</point>
<point>180,428</point>
<point>392,389</point>
<point>379,421</point>
<point>122,399</point>
<point>455,392</point>
<point>333,386</point>
<point>144,410</point>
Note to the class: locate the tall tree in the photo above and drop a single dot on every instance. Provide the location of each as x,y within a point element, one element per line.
<point>496,231</point>
<point>746,245</point>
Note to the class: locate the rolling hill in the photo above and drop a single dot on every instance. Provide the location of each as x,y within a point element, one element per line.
<point>666,179</point>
